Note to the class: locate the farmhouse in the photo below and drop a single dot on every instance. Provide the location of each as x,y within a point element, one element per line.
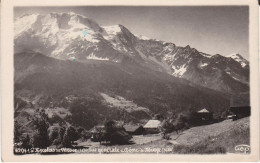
<point>241,111</point>
<point>134,129</point>
<point>120,137</point>
<point>239,106</point>
<point>204,115</point>
<point>152,127</point>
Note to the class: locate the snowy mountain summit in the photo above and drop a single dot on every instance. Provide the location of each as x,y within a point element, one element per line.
<point>239,58</point>
<point>68,36</point>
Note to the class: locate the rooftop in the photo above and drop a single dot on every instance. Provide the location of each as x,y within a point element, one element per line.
<point>152,124</point>
<point>203,111</point>
<point>131,128</point>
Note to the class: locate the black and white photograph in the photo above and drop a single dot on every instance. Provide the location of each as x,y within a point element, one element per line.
<point>117,79</point>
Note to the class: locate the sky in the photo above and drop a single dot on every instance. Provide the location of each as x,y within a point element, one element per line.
<point>214,30</point>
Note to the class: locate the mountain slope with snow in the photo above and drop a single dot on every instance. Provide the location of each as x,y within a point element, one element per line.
<point>68,35</point>
<point>240,59</point>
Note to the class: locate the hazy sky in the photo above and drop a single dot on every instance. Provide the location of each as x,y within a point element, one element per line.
<point>222,30</point>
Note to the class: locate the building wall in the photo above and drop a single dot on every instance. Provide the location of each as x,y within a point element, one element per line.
<point>139,131</point>
<point>152,130</point>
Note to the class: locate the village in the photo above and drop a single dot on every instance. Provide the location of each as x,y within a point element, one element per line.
<point>117,134</point>
<point>184,132</point>
<point>160,132</point>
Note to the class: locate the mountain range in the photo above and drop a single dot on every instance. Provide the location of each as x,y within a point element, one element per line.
<point>63,57</point>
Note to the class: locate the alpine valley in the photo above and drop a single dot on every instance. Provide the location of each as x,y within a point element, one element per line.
<point>63,59</point>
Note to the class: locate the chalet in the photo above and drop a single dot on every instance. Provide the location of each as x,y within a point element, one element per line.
<point>134,129</point>
<point>240,111</point>
<point>120,137</point>
<point>239,106</point>
<point>152,127</point>
<point>204,115</point>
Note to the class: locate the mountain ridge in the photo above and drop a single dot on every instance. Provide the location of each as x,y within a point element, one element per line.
<point>60,35</point>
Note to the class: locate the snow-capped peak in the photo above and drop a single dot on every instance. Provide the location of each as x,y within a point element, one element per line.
<point>141,37</point>
<point>239,58</point>
<point>24,23</point>
<point>67,13</point>
<point>206,55</point>
<point>73,13</point>
<point>234,55</point>
<point>113,29</point>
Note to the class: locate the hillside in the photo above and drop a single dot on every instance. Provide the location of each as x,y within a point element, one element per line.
<point>44,82</point>
<point>219,137</point>
<point>196,134</point>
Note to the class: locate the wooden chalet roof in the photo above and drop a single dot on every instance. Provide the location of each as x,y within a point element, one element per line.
<point>203,111</point>
<point>152,124</point>
<point>131,128</point>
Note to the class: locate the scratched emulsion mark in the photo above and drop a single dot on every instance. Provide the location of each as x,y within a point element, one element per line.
<point>73,59</point>
<point>84,32</point>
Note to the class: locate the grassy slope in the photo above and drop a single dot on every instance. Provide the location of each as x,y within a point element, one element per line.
<point>216,138</point>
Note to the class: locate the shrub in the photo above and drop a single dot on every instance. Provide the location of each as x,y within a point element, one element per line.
<point>158,117</point>
<point>26,142</point>
<point>66,140</point>
<point>17,132</point>
<point>40,140</point>
<point>72,134</point>
<point>40,136</point>
<point>110,126</point>
<point>56,142</point>
<point>53,133</point>
<point>166,136</point>
<point>62,132</point>
<point>167,126</point>
<point>55,119</point>
<point>181,122</point>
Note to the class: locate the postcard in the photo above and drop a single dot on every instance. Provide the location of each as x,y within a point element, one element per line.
<point>129,80</point>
